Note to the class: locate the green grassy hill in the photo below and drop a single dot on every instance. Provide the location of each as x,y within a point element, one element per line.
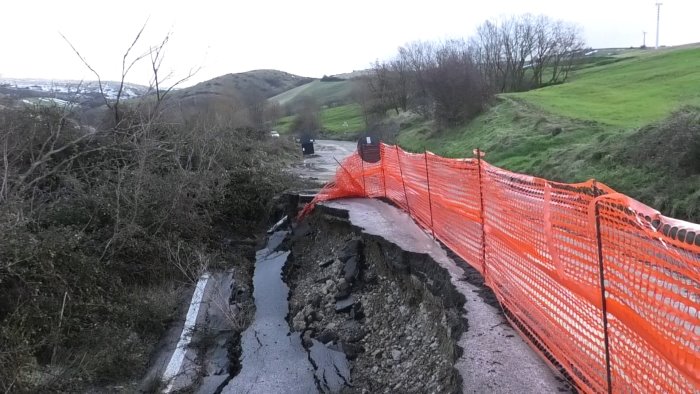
<point>262,83</point>
<point>325,93</point>
<point>342,122</point>
<point>228,96</point>
<point>642,87</point>
<point>631,121</point>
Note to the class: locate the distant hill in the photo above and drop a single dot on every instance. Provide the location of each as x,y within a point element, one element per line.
<point>256,83</point>
<point>325,93</point>
<point>84,93</point>
<point>235,98</point>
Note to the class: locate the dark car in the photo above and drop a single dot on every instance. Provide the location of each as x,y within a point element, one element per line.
<point>307,145</point>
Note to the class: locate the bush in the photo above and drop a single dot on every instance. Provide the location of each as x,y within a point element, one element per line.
<point>327,78</point>
<point>91,221</point>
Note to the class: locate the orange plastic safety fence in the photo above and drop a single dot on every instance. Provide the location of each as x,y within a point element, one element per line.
<point>558,256</point>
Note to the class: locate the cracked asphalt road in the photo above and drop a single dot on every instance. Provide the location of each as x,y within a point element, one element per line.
<point>321,166</point>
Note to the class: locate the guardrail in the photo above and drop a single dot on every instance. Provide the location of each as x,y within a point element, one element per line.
<point>603,286</point>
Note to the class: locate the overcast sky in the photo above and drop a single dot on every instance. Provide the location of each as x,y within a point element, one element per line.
<point>304,37</point>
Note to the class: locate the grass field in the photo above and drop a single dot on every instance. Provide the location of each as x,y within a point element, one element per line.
<point>343,119</point>
<point>324,93</point>
<point>342,122</point>
<point>643,87</point>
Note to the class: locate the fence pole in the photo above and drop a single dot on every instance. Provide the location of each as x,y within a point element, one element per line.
<point>482,213</point>
<point>398,159</point>
<point>430,200</point>
<point>602,290</point>
<point>381,164</point>
<point>348,172</point>
<point>362,163</point>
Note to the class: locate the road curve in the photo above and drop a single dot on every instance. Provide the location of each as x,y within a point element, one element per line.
<point>321,166</point>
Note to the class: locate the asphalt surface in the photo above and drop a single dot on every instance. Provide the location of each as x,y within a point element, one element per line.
<point>176,362</point>
<point>273,359</point>
<point>322,165</point>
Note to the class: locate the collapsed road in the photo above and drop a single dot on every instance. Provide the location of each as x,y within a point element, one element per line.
<point>431,325</point>
<point>354,299</point>
<point>273,358</point>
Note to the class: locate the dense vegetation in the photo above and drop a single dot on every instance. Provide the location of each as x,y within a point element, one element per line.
<point>101,228</point>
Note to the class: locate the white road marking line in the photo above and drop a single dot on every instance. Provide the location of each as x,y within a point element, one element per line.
<point>277,225</point>
<point>178,356</point>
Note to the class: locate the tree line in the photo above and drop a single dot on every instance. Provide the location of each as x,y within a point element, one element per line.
<point>451,81</point>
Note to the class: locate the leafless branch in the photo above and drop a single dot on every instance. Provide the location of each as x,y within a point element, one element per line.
<point>85,62</point>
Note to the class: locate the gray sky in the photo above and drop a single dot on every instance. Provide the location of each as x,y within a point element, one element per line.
<point>304,37</point>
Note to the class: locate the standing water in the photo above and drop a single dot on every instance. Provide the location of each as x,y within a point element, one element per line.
<point>273,358</point>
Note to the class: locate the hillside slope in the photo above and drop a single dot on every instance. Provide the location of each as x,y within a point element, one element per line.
<point>324,93</point>
<point>256,83</point>
<point>633,124</point>
<point>638,88</point>
<point>229,96</point>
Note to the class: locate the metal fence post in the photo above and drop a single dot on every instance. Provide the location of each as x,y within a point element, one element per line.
<point>362,163</point>
<point>430,200</point>
<point>482,213</point>
<point>346,171</point>
<point>398,159</point>
<point>381,164</point>
<point>601,270</point>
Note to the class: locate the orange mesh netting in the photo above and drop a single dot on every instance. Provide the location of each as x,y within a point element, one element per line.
<point>550,251</point>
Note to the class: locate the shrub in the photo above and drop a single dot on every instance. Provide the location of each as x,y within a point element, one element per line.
<point>90,221</point>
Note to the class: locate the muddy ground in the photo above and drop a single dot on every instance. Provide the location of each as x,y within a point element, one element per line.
<point>392,312</point>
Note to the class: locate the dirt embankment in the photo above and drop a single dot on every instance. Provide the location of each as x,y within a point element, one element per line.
<point>394,313</point>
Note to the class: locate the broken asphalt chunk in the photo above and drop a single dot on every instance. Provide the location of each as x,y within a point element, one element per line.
<point>344,305</point>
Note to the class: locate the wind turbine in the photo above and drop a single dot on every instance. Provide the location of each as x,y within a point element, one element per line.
<point>658,16</point>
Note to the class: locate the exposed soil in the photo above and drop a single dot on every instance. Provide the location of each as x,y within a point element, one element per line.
<point>393,313</point>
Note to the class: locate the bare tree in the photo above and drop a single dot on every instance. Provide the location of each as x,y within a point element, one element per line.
<point>127,64</point>
<point>436,80</point>
<point>307,122</point>
<point>568,47</point>
<point>488,51</point>
<point>272,112</point>
<point>362,95</point>
<point>508,50</point>
<point>451,81</point>
<point>373,110</point>
<point>256,103</point>
<point>419,57</point>
<point>382,87</point>
<point>455,84</point>
<point>157,54</point>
